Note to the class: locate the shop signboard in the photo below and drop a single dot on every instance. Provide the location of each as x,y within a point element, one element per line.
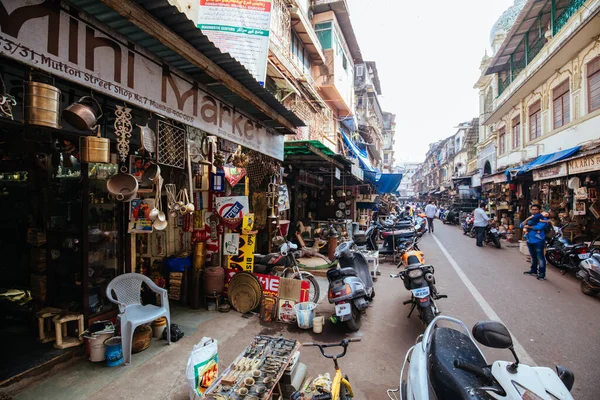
<point>232,206</point>
<point>555,171</point>
<point>244,260</point>
<point>240,28</point>
<point>269,283</point>
<point>496,178</point>
<point>69,45</point>
<point>584,164</point>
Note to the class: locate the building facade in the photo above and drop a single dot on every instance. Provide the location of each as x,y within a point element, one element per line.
<point>544,82</point>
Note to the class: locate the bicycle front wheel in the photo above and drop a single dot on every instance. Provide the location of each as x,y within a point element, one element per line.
<point>314,292</point>
<point>345,392</point>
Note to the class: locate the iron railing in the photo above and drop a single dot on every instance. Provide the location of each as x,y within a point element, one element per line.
<point>534,49</point>
<point>567,13</point>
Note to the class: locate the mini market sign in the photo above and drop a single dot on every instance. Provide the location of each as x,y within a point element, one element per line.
<point>68,44</point>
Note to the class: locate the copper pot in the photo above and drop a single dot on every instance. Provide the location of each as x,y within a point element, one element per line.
<point>94,149</point>
<point>42,104</point>
<point>81,115</point>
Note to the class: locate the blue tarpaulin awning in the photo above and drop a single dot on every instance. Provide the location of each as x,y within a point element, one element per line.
<point>362,155</point>
<point>543,160</point>
<point>384,183</point>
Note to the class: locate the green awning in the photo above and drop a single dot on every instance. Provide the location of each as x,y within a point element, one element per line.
<point>306,148</point>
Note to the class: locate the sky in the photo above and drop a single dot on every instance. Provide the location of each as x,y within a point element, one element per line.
<point>428,55</point>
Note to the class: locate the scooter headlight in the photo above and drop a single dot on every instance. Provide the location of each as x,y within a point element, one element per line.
<point>415,273</point>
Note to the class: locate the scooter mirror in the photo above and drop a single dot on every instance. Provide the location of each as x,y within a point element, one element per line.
<point>492,334</point>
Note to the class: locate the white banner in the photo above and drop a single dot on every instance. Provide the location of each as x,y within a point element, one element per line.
<point>83,51</point>
<point>240,28</point>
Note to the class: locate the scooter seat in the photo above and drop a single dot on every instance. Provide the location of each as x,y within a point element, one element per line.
<point>450,382</point>
<point>348,271</point>
<point>403,233</point>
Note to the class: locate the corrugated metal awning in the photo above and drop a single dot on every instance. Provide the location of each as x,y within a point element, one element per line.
<point>177,22</point>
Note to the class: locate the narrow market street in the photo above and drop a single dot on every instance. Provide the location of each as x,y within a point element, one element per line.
<point>550,320</point>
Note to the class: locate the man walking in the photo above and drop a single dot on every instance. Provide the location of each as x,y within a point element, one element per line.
<point>536,241</point>
<point>480,221</point>
<point>430,212</point>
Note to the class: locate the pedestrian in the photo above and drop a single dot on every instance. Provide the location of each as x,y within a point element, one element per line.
<point>536,240</point>
<point>430,211</point>
<point>480,221</point>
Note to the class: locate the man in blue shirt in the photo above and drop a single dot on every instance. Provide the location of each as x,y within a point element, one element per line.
<point>536,241</point>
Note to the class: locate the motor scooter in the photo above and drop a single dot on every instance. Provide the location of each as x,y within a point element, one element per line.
<point>589,273</point>
<point>446,363</point>
<point>350,285</point>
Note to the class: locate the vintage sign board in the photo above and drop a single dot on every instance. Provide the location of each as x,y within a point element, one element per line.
<point>71,45</point>
<point>584,164</point>
<point>555,171</point>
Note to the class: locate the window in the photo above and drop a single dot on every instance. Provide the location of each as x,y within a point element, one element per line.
<point>299,53</point>
<point>593,79</point>
<point>325,34</point>
<point>360,69</point>
<point>516,133</point>
<point>561,104</point>
<point>535,120</point>
<point>502,141</point>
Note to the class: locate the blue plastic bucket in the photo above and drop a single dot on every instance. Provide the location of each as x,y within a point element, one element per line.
<point>114,351</point>
<point>305,313</point>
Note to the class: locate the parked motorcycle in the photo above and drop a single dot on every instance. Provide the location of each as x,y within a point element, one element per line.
<point>419,279</point>
<point>589,273</point>
<point>451,217</point>
<point>447,364</point>
<point>350,285</point>
<point>285,264</point>
<point>491,235</point>
<point>467,226</point>
<point>563,254</point>
<point>368,239</point>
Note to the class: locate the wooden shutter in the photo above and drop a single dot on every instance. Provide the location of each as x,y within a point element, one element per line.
<point>560,89</point>
<point>593,78</point>
<point>516,133</point>
<point>535,119</point>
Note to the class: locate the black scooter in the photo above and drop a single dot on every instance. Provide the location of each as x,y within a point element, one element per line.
<point>350,285</point>
<point>589,273</point>
<point>564,255</point>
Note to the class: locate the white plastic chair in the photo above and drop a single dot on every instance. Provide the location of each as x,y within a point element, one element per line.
<point>128,289</point>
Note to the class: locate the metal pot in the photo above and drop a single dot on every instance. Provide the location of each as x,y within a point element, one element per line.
<point>123,186</point>
<point>42,104</point>
<point>81,115</point>
<point>94,149</point>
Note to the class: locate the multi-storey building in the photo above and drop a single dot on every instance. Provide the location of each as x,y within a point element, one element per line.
<point>369,115</point>
<point>407,186</point>
<point>389,133</point>
<point>541,92</point>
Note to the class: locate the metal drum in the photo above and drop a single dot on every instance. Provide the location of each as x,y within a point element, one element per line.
<point>214,280</point>
<point>42,104</point>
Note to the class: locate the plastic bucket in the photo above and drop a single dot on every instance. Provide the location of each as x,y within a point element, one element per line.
<point>305,314</point>
<point>318,323</point>
<point>114,351</point>
<point>97,347</point>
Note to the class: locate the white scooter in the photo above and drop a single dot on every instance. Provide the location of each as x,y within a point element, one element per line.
<point>447,364</point>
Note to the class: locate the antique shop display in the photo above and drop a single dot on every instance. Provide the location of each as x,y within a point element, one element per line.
<point>257,371</point>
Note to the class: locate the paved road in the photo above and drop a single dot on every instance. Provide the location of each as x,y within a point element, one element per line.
<point>552,320</point>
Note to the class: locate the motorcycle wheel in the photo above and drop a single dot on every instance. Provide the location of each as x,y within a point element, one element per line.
<point>354,322</point>
<point>472,233</point>
<point>588,290</point>
<point>427,315</point>
<point>372,295</point>
<point>553,257</point>
<point>496,241</point>
<point>313,292</point>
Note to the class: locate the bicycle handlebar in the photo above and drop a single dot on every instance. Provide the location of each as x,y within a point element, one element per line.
<point>343,343</point>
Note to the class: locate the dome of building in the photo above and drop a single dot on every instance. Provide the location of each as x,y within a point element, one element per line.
<point>507,19</point>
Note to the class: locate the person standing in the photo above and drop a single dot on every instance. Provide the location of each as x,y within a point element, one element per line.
<point>536,241</point>
<point>480,221</point>
<point>430,211</point>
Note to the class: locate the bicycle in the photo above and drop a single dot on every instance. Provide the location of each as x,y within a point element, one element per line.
<point>340,386</point>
